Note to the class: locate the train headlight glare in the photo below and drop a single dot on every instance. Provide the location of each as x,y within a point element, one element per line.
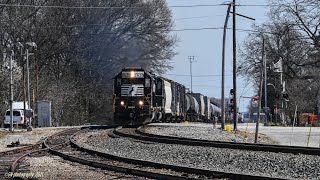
<point>122,103</point>
<point>140,103</point>
<point>132,74</point>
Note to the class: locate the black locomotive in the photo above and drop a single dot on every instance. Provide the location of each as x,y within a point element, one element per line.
<point>141,97</point>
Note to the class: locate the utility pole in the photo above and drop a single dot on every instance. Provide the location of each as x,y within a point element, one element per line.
<point>191,60</point>
<point>235,117</point>
<point>24,87</point>
<point>283,83</point>
<point>36,96</point>
<point>234,65</point>
<point>260,93</point>
<point>11,92</point>
<point>34,46</point>
<point>28,81</point>
<point>223,118</point>
<point>265,85</point>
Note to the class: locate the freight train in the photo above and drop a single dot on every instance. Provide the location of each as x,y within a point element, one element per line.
<point>141,97</point>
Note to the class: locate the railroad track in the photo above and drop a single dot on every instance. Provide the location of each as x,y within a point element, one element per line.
<point>201,173</point>
<point>80,154</point>
<point>9,160</point>
<point>138,133</point>
<point>64,144</point>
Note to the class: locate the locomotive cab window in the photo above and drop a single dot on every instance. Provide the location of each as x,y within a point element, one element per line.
<point>147,82</point>
<point>118,81</point>
<point>132,81</point>
<point>159,87</point>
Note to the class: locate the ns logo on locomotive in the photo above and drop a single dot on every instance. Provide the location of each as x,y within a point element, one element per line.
<point>141,97</point>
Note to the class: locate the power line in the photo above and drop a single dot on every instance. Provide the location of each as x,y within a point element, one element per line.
<point>104,7</point>
<point>174,30</point>
<point>273,5</point>
<point>141,7</point>
<point>205,85</point>
<point>187,18</point>
<point>210,75</point>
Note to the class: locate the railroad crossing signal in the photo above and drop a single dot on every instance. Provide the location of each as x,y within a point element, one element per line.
<point>231,103</point>
<point>255,100</point>
<point>231,92</point>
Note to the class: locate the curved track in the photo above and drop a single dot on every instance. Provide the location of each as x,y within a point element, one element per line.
<point>9,160</point>
<point>133,133</point>
<point>139,134</point>
<point>80,154</point>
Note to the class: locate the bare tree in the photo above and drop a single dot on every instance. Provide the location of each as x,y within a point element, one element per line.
<point>80,49</point>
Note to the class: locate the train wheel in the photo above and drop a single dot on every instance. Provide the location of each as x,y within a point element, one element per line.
<point>167,118</point>
<point>176,119</point>
<point>173,119</point>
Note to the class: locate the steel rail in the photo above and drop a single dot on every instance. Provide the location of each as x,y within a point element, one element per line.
<point>208,173</point>
<point>21,149</point>
<point>15,164</point>
<point>108,166</point>
<point>15,156</point>
<point>220,144</point>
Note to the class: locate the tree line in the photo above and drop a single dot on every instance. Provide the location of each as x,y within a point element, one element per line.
<point>292,35</point>
<point>81,45</point>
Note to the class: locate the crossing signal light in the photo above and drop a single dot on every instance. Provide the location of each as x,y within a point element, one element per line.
<point>231,92</point>
<point>231,105</point>
<point>231,101</point>
<point>255,98</point>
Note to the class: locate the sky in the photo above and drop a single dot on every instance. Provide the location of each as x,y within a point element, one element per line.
<point>206,45</point>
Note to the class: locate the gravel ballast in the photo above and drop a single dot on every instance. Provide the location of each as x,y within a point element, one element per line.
<point>54,167</point>
<point>206,133</point>
<point>230,160</point>
<point>24,137</point>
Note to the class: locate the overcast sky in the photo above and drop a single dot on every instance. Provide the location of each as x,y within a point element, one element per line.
<point>206,45</point>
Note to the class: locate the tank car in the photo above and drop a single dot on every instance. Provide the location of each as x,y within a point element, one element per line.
<point>202,106</point>
<point>207,109</point>
<point>192,108</point>
<point>215,112</point>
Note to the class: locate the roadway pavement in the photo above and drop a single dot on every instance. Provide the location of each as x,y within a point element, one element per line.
<point>297,136</point>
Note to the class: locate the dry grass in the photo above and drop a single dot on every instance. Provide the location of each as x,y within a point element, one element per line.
<point>262,138</point>
<point>3,134</point>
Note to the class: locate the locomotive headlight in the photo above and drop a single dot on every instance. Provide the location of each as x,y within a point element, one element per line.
<point>140,103</point>
<point>132,74</point>
<point>122,103</point>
